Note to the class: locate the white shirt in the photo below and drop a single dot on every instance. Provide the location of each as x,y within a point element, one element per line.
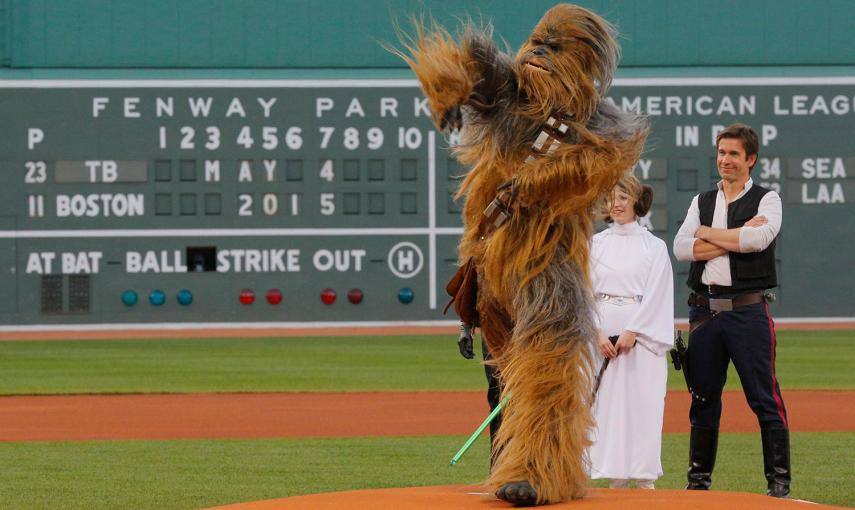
<point>751,239</point>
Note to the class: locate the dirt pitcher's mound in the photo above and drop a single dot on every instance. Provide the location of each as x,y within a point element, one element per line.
<point>474,497</point>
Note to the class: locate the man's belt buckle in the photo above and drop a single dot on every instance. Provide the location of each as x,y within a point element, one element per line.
<point>721,305</point>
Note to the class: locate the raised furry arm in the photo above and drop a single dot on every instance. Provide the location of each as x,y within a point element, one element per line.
<point>497,84</point>
<point>470,72</point>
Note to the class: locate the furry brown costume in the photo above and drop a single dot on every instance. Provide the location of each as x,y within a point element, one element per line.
<point>534,302</point>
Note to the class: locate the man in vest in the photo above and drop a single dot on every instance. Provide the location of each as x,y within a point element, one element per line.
<point>729,236</point>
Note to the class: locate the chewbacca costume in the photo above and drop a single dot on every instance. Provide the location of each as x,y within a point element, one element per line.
<point>525,281</point>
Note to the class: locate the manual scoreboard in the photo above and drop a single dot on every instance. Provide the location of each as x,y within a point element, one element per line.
<point>275,201</point>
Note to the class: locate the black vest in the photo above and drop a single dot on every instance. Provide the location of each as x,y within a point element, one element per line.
<point>748,271</point>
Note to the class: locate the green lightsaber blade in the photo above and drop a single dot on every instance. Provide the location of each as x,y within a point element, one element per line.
<point>480,429</point>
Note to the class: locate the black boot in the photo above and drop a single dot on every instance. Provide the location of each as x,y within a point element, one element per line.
<point>776,461</point>
<point>703,444</point>
<point>494,397</point>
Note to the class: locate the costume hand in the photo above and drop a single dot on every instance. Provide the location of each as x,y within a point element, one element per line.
<point>607,349</point>
<point>625,342</point>
<point>464,342</point>
<point>757,221</point>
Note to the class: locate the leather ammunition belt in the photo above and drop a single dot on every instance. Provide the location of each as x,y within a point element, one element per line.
<point>726,305</point>
<point>619,300</point>
<point>549,138</point>
<point>501,208</point>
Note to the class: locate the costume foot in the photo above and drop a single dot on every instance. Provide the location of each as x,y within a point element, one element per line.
<point>518,493</point>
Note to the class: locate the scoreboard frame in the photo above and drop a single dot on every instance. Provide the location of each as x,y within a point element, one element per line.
<point>438,266</point>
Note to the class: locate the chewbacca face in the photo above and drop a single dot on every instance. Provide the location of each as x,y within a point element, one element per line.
<point>567,63</point>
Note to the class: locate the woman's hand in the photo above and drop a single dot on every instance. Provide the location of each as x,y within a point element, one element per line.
<point>605,345</point>
<point>626,341</point>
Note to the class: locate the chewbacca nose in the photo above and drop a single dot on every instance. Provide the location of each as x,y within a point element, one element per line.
<point>540,51</point>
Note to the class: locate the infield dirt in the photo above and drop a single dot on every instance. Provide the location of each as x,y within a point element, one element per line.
<point>267,415</point>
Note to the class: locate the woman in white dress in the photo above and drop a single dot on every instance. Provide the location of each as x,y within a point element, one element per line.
<point>634,288</point>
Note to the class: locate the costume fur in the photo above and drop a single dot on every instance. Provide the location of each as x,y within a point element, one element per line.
<point>534,302</point>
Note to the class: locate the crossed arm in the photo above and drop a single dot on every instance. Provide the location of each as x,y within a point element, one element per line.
<point>715,242</point>
<point>698,242</point>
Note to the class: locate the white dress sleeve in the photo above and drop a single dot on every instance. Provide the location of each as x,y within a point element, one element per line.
<point>654,318</point>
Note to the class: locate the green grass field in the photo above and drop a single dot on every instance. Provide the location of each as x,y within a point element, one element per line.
<point>195,474</point>
<point>806,360</point>
<point>190,474</point>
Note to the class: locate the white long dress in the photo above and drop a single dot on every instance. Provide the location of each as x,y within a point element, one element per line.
<point>628,261</point>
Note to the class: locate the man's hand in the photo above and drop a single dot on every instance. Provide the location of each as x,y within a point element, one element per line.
<point>705,250</point>
<point>607,348</point>
<point>727,238</point>
<point>464,341</point>
<point>625,342</point>
<point>757,221</point>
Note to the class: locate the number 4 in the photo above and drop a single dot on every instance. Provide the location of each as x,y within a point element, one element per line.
<point>245,138</point>
<point>327,172</point>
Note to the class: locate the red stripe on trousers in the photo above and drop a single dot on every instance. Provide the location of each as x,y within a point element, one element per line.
<point>778,400</point>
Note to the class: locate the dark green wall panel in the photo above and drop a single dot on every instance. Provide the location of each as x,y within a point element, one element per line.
<point>343,33</point>
<point>5,33</point>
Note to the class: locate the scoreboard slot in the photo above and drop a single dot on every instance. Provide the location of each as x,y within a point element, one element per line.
<point>201,258</point>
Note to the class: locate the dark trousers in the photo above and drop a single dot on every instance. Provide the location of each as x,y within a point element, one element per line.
<point>494,394</point>
<point>746,336</point>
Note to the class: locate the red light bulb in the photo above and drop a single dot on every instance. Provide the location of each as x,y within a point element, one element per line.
<point>328,296</point>
<point>247,296</point>
<point>274,296</point>
<point>355,296</point>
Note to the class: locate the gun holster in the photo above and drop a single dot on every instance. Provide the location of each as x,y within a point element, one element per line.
<point>680,359</point>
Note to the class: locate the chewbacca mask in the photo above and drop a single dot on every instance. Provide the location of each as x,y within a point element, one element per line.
<point>537,127</point>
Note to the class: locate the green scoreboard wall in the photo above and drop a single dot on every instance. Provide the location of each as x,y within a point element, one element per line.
<point>317,34</point>
<point>201,201</point>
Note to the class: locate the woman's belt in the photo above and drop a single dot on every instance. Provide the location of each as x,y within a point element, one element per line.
<point>619,300</point>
